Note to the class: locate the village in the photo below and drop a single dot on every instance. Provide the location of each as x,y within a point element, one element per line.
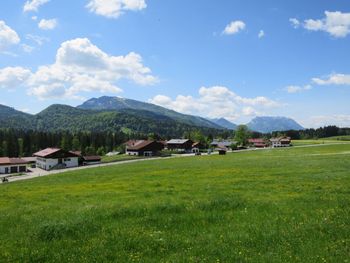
<point>50,159</point>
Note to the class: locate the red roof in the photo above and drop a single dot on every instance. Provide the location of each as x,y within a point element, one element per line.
<point>139,145</point>
<point>11,161</point>
<point>46,152</point>
<point>256,140</point>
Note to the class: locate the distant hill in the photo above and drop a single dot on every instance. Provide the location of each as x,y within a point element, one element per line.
<point>224,123</point>
<point>63,117</point>
<point>117,104</point>
<point>11,118</point>
<point>270,124</point>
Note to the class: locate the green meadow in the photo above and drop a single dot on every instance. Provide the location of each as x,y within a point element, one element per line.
<point>278,205</point>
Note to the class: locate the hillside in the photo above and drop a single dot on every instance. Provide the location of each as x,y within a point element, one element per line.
<point>63,117</point>
<point>116,103</point>
<point>11,118</point>
<point>282,205</point>
<point>224,123</point>
<point>270,124</point>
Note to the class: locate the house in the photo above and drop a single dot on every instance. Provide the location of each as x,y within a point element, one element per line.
<point>258,142</point>
<point>222,144</point>
<point>196,146</point>
<point>144,148</point>
<point>12,165</point>
<point>281,141</point>
<point>56,158</point>
<point>180,145</point>
<point>89,160</point>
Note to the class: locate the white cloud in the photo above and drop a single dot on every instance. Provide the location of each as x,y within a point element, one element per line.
<point>337,24</point>
<point>297,89</point>
<point>80,67</point>
<point>33,5</point>
<point>47,24</point>
<point>13,77</point>
<point>8,36</point>
<point>39,40</point>
<point>294,22</point>
<point>27,48</point>
<point>216,102</point>
<point>234,27</point>
<point>340,120</point>
<point>114,8</point>
<point>333,79</point>
<point>261,34</point>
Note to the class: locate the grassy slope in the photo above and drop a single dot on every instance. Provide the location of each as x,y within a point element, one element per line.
<point>282,205</point>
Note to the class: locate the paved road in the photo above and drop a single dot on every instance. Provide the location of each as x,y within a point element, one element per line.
<point>37,172</point>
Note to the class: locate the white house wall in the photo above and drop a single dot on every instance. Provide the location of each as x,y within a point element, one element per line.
<point>47,164</point>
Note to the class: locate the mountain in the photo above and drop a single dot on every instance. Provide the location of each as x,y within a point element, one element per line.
<point>270,124</point>
<point>63,117</point>
<point>11,118</point>
<point>117,104</point>
<point>224,123</point>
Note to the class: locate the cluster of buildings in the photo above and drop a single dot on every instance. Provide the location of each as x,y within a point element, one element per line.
<point>56,158</point>
<point>282,141</point>
<point>47,159</point>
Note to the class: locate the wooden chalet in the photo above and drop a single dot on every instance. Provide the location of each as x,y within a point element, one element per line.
<point>180,145</point>
<point>258,142</point>
<point>283,141</point>
<point>144,148</point>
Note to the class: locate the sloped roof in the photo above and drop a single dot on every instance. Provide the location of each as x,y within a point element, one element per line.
<point>12,161</point>
<point>46,152</point>
<point>139,145</point>
<point>177,141</point>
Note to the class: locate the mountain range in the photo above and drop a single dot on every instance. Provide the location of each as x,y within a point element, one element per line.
<point>129,116</point>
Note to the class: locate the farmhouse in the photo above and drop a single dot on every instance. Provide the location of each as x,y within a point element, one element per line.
<point>92,159</point>
<point>87,160</point>
<point>144,148</point>
<point>55,158</point>
<point>180,145</point>
<point>258,142</point>
<point>12,165</point>
<point>222,143</point>
<point>281,141</point>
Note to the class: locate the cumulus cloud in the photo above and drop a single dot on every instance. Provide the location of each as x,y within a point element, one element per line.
<point>337,24</point>
<point>297,89</point>
<point>33,5</point>
<point>114,8</point>
<point>80,67</point>
<point>47,24</point>
<point>294,22</point>
<point>333,79</point>
<point>234,27</point>
<point>261,34</point>
<point>8,36</point>
<point>216,102</point>
<point>13,77</point>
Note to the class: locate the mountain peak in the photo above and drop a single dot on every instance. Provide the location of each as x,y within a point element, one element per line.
<point>266,124</point>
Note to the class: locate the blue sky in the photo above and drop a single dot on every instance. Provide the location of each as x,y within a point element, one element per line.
<point>228,58</point>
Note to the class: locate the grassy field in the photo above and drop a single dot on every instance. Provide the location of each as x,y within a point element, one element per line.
<point>315,141</point>
<point>119,157</point>
<point>278,205</point>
